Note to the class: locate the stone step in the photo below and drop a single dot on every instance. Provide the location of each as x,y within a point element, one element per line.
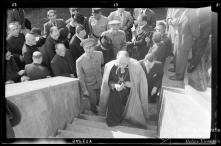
<point>92,117</point>
<point>71,134</point>
<point>91,132</point>
<point>127,128</point>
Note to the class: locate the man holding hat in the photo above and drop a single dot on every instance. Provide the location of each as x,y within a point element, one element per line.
<point>105,46</point>
<point>40,40</point>
<point>71,24</point>
<point>88,67</point>
<point>82,20</point>
<point>98,23</point>
<point>116,35</point>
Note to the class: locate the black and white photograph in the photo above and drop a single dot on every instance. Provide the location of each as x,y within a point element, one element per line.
<point>78,74</point>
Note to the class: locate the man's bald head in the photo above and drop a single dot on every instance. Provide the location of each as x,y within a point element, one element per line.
<point>30,39</point>
<point>123,58</point>
<point>37,57</point>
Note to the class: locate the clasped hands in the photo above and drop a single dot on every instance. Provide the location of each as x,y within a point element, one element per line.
<point>122,86</point>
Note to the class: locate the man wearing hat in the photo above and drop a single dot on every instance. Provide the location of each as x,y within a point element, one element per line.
<point>98,23</point>
<point>29,48</point>
<point>105,46</point>
<point>126,21</point>
<point>35,70</point>
<point>40,39</point>
<point>116,35</point>
<point>53,22</point>
<point>88,67</point>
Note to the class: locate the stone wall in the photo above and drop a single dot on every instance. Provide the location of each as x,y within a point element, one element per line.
<point>46,105</point>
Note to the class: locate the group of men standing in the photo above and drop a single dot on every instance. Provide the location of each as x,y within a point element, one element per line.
<point>118,59</point>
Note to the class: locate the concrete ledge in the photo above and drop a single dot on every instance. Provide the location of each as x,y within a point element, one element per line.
<point>185,115</point>
<point>46,105</point>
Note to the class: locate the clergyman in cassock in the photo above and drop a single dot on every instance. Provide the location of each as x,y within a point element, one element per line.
<point>89,72</point>
<point>124,92</point>
<point>62,63</point>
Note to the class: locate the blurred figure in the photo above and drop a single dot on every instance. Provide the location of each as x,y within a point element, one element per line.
<point>40,39</point>
<point>48,51</point>
<point>126,21</point>
<point>15,41</point>
<point>71,24</point>
<point>89,72</point>
<point>161,28</point>
<point>116,35</point>
<point>188,31</point>
<point>75,47</point>
<point>63,38</point>
<point>158,49</point>
<point>13,118</point>
<point>59,23</point>
<point>35,70</point>
<point>98,23</point>
<point>106,47</point>
<point>142,39</point>
<point>29,48</point>
<point>124,92</point>
<point>13,73</point>
<point>154,73</point>
<point>62,63</point>
<point>199,46</point>
<point>82,20</point>
<point>151,21</point>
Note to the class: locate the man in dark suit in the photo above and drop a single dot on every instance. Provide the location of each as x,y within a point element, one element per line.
<point>35,70</point>
<point>15,41</point>
<point>40,39</point>
<point>29,48</point>
<point>53,22</point>
<point>142,38</point>
<point>76,49</point>
<point>13,74</point>
<point>158,49</point>
<point>62,64</point>
<point>154,73</point>
<point>48,51</point>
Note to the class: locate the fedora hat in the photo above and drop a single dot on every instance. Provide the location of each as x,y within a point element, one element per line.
<point>105,42</point>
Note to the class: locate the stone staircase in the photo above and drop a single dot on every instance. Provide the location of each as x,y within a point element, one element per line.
<point>94,126</point>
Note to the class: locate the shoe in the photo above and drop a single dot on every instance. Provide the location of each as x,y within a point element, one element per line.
<point>190,68</point>
<point>176,78</point>
<point>171,70</point>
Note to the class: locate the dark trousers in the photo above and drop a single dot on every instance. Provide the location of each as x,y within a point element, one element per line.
<point>198,50</point>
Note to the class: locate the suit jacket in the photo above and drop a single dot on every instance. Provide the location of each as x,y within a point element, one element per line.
<point>48,51</point>
<point>59,23</point>
<point>140,42</point>
<point>126,20</point>
<point>107,54</point>
<point>188,28</point>
<point>27,52</point>
<point>15,45</point>
<point>151,17</point>
<point>155,75</point>
<point>63,66</point>
<point>36,71</point>
<point>76,49</point>
<point>89,70</point>
<point>12,70</point>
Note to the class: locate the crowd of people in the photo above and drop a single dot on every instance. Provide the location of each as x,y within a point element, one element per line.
<point>118,59</point>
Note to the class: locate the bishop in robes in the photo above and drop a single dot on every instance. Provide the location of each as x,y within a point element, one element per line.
<point>124,92</point>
